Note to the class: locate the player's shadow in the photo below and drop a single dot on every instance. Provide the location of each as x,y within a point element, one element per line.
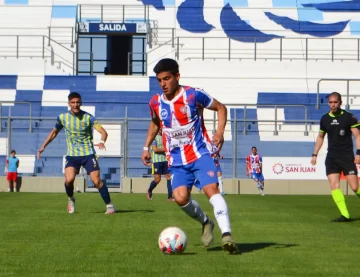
<point>134,211</point>
<point>250,247</point>
<point>128,211</point>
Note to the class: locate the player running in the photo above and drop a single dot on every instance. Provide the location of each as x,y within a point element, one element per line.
<point>179,112</point>
<point>254,169</point>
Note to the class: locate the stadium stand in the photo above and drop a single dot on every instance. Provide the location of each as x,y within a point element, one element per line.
<point>263,58</point>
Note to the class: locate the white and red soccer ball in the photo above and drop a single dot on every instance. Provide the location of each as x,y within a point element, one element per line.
<point>172,240</point>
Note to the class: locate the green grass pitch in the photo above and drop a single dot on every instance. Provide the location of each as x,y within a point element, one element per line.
<point>277,236</point>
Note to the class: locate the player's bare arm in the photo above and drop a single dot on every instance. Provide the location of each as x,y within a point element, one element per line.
<point>356,134</point>
<point>221,110</point>
<point>157,149</point>
<point>104,136</point>
<point>247,167</point>
<point>52,135</point>
<point>153,130</point>
<point>319,142</point>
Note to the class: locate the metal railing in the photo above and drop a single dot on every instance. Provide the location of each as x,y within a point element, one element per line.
<point>109,13</point>
<point>57,33</point>
<point>12,46</point>
<point>9,112</point>
<point>274,106</point>
<point>347,106</point>
<point>133,132</point>
<point>132,60</point>
<point>277,49</point>
<point>60,34</point>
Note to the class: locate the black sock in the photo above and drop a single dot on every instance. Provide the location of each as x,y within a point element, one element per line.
<point>69,190</point>
<point>104,192</point>
<point>153,185</point>
<point>169,188</point>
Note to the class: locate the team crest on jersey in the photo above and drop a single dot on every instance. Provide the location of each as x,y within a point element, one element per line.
<point>211,173</point>
<point>164,113</point>
<point>183,110</point>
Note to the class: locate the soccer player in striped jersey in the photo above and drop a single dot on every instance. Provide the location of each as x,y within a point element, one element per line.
<point>79,126</point>
<point>178,111</point>
<point>254,169</point>
<point>159,166</point>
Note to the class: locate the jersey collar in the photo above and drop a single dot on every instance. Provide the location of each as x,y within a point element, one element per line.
<point>333,115</point>
<point>80,113</point>
<point>175,98</point>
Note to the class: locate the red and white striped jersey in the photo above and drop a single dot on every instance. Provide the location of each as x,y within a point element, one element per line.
<point>254,163</point>
<point>183,130</point>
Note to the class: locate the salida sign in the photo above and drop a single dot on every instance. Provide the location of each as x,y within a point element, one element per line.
<point>113,27</point>
<point>298,168</point>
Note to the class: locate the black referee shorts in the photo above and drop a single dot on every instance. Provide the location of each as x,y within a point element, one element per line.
<point>344,163</point>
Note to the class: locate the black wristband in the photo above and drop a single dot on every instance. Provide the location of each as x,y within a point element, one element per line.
<point>314,155</point>
<point>358,152</point>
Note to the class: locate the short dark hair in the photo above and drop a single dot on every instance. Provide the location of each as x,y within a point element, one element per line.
<point>13,151</point>
<point>254,147</point>
<point>338,95</point>
<point>74,95</point>
<point>167,65</point>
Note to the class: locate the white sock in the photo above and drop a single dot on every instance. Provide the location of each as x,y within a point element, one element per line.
<point>221,213</point>
<point>262,186</point>
<point>193,210</point>
<point>259,186</point>
<point>220,184</point>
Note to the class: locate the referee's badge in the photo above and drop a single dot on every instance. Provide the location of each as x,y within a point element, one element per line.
<point>342,132</point>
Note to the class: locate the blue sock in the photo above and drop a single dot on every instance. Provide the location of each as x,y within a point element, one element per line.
<point>152,186</point>
<point>69,190</point>
<point>105,194</point>
<point>168,183</point>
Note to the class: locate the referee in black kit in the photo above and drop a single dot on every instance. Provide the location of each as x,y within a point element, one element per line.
<point>339,125</point>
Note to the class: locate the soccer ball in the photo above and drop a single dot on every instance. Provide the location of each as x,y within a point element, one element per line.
<point>172,240</point>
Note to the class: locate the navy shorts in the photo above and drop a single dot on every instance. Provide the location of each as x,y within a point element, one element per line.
<point>89,162</point>
<point>160,168</point>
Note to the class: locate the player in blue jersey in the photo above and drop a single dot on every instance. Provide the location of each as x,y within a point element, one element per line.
<point>159,166</point>
<point>79,126</point>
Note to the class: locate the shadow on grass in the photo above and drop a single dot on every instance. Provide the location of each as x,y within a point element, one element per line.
<point>181,254</point>
<point>250,247</point>
<point>135,211</point>
<point>127,211</point>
